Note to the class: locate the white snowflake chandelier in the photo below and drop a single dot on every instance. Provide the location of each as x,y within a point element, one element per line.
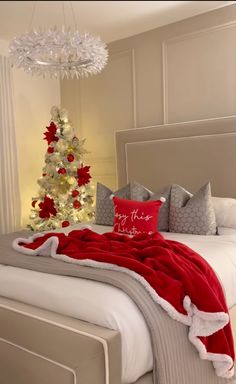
<point>59,53</point>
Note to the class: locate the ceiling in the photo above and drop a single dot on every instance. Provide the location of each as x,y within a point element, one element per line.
<point>112,20</point>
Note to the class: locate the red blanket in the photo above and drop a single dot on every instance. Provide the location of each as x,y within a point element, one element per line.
<point>177,278</point>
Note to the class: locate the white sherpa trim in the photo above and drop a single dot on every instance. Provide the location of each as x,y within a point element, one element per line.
<point>223,364</point>
<point>205,323</point>
<point>111,196</point>
<point>162,199</point>
<point>200,323</point>
<point>48,248</point>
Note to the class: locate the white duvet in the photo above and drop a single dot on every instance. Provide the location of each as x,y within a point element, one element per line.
<point>108,306</point>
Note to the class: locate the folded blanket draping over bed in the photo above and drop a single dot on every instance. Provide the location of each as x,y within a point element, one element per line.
<point>175,276</point>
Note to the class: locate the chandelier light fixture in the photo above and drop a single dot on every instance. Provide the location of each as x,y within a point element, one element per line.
<point>59,52</point>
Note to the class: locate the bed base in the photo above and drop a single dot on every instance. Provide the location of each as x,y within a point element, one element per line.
<point>42,347</point>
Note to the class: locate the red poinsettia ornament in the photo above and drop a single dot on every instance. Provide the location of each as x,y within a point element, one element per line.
<point>50,135</point>
<point>47,208</point>
<point>83,175</point>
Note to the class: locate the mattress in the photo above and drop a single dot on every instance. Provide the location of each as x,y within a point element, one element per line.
<point>109,307</point>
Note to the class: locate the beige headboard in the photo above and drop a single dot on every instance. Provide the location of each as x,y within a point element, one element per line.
<point>189,154</point>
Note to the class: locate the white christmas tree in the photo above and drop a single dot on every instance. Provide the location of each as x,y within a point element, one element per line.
<point>65,196</point>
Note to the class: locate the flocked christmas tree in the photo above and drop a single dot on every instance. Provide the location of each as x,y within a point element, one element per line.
<point>65,196</point>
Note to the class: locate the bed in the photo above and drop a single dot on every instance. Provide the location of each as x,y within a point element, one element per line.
<point>39,344</point>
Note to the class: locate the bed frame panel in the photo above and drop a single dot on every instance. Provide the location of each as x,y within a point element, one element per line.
<point>189,154</point>
<point>38,346</point>
<point>41,347</point>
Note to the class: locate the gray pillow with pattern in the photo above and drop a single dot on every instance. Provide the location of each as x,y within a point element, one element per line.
<point>163,215</point>
<point>138,192</point>
<point>192,213</point>
<point>104,204</point>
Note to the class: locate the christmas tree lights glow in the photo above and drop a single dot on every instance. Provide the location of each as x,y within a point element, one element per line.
<point>65,195</point>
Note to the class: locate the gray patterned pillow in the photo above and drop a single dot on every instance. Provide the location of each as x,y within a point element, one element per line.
<point>104,205</point>
<point>140,193</point>
<point>163,216</point>
<point>192,213</point>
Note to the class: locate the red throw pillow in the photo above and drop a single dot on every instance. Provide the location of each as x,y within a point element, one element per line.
<point>134,217</point>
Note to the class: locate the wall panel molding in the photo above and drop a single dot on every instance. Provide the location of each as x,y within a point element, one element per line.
<point>79,94</point>
<point>166,44</point>
<point>131,54</point>
<point>107,102</point>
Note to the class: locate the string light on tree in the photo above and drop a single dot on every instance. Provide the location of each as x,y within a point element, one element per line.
<point>65,195</point>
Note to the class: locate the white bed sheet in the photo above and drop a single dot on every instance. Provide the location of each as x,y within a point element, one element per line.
<point>108,306</point>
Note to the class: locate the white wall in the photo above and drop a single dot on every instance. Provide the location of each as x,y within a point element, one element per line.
<point>34,98</point>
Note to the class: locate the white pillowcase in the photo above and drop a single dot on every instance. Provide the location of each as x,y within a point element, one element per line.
<point>225,211</point>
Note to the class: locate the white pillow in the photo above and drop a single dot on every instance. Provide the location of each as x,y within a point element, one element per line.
<point>225,211</point>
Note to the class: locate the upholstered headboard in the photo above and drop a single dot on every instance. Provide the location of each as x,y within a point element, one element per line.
<point>189,154</point>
